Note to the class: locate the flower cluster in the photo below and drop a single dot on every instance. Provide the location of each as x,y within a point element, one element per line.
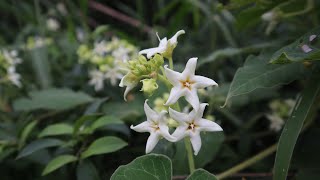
<point>184,84</point>
<point>107,59</point>
<point>8,62</point>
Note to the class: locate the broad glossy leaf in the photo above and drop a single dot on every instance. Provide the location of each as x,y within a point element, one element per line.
<point>38,145</point>
<point>54,99</point>
<point>56,129</point>
<point>147,167</point>
<point>58,162</point>
<point>104,145</point>
<point>257,74</point>
<point>201,174</point>
<point>295,52</point>
<point>293,127</point>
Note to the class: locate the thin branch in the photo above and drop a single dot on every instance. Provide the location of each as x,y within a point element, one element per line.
<point>118,15</point>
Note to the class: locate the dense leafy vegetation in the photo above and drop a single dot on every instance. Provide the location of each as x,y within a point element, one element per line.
<point>64,116</point>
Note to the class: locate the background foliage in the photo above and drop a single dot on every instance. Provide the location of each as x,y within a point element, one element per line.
<point>56,126</point>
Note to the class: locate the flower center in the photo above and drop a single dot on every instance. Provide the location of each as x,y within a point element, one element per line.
<point>155,126</point>
<point>192,126</point>
<point>187,83</point>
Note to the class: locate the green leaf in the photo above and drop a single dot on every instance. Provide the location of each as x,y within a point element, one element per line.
<point>58,162</point>
<point>104,145</point>
<point>54,99</point>
<point>84,120</point>
<point>56,129</point>
<point>201,174</point>
<point>41,66</point>
<point>294,52</point>
<point>87,171</point>
<point>257,73</point>
<point>38,145</point>
<point>26,132</point>
<point>293,127</point>
<point>103,121</point>
<point>147,167</point>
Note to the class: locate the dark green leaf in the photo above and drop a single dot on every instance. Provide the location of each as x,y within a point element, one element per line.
<point>38,145</point>
<point>257,74</point>
<point>41,66</point>
<point>293,127</point>
<point>87,171</point>
<point>26,132</point>
<point>104,145</point>
<point>103,121</point>
<point>58,162</point>
<point>201,174</point>
<point>147,167</point>
<point>55,99</point>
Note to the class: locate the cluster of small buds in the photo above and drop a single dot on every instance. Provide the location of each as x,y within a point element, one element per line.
<point>185,84</point>
<point>107,60</point>
<point>8,62</point>
<point>281,109</point>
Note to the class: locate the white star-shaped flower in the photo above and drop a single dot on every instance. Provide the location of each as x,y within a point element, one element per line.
<point>186,84</point>
<point>191,125</point>
<point>113,74</point>
<point>97,78</point>
<point>100,48</point>
<point>121,54</point>
<point>13,76</point>
<point>165,46</point>
<point>156,125</point>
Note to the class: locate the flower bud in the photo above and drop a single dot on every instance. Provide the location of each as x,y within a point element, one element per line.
<point>149,86</point>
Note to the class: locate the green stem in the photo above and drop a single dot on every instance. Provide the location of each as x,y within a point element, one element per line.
<point>248,162</point>
<point>309,7</point>
<point>190,155</point>
<point>171,63</point>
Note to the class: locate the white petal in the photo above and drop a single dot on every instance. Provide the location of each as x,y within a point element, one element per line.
<point>164,131</point>
<point>180,132</point>
<point>173,76</point>
<point>128,89</point>
<point>207,125</point>
<point>174,38</point>
<point>190,67</point>
<point>152,142</point>
<point>195,142</point>
<point>142,127</point>
<point>175,94</point>
<point>178,116</point>
<point>200,111</point>
<point>192,98</point>
<point>203,82</point>
<point>163,43</point>
<point>151,114</point>
<point>152,51</point>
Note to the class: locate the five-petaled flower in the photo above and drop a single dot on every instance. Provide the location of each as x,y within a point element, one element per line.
<point>186,84</point>
<point>165,46</point>
<point>156,125</point>
<point>191,125</point>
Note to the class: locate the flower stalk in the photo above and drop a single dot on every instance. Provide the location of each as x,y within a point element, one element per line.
<point>190,155</point>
